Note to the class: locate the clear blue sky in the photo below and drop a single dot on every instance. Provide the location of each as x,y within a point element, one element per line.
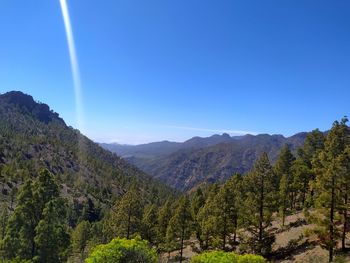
<point>172,69</point>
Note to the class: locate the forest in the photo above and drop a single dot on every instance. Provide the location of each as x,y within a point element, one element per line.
<point>43,225</point>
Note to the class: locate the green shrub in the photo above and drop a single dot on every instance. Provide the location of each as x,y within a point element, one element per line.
<point>247,258</point>
<point>226,257</point>
<point>17,260</point>
<point>123,250</point>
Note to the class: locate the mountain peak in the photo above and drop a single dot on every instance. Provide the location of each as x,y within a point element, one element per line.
<point>27,105</point>
<point>226,135</point>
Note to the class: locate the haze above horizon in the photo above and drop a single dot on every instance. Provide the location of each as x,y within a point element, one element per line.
<point>172,70</point>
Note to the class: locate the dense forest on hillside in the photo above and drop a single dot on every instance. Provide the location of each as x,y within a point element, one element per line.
<point>65,199</point>
<point>34,141</point>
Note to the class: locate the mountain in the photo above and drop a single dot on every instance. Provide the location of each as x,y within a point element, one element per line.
<point>200,160</point>
<point>33,137</point>
<point>158,149</point>
<point>143,150</point>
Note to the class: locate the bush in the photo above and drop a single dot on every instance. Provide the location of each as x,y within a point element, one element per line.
<point>123,250</point>
<point>17,260</point>
<point>226,257</point>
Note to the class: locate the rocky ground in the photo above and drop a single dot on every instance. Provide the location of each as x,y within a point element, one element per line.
<point>292,244</point>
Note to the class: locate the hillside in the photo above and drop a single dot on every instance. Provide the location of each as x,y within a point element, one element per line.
<point>292,244</point>
<point>199,160</point>
<point>33,137</point>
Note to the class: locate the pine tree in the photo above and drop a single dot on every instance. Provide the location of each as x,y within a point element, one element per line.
<point>197,202</point>
<point>32,198</point>
<point>180,225</point>
<point>226,210</point>
<point>206,217</point>
<point>283,172</point>
<point>149,223</point>
<point>51,236</point>
<point>314,143</point>
<point>80,237</point>
<point>20,230</point>
<point>4,217</point>
<point>164,216</point>
<point>344,207</point>
<point>45,188</point>
<point>259,204</point>
<point>328,185</point>
<point>302,176</point>
<point>235,185</point>
<point>127,214</point>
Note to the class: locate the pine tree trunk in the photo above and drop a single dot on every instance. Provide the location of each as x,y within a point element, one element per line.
<point>304,193</point>
<point>33,246</point>
<point>128,226</point>
<point>294,199</point>
<point>331,227</point>
<point>182,241</point>
<point>206,240</point>
<point>235,230</point>
<point>344,232</point>
<point>345,224</point>
<point>261,215</point>
<point>224,234</point>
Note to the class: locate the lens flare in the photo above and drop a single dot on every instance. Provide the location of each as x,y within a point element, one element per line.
<point>74,65</point>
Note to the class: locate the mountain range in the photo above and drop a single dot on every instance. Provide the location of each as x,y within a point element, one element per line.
<point>32,136</point>
<point>203,160</point>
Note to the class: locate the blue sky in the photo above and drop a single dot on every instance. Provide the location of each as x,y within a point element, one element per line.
<point>160,69</point>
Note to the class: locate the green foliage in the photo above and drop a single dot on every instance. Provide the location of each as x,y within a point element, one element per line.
<point>164,216</point>
<point>226,257</point>
<point>17,260</point>
<point>52,237</point>
<point>126,214</point>
<point>123,250</point>
<point>206,219</point>
<point>4,216</point>
<point>180,225</point>
<point>284,181</point>
<point>20,230</point>
<point>259,204</point>
<point>80,237</point>
<point>37,228</point>
<point>225,211</point>
<point>149,223</point>
<point>331,184</point>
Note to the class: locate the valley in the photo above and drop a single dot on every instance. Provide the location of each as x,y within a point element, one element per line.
<point>257,198</point>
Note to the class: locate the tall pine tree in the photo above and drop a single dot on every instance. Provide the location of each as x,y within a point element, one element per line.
<point>283,172</point>
<point>180,225</point>
<point>127,214</point>
<point>259,204</point>
<point>328,184</point>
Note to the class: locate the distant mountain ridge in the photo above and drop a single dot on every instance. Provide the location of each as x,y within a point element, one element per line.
<point>199,160</point>
<point>166,147</point>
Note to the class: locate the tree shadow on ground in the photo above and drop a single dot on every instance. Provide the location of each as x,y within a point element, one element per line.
<point>293,249</point>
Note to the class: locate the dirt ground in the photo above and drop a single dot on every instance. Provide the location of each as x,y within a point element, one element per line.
<point>291,245</point>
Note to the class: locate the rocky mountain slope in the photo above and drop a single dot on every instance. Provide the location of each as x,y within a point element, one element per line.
<point>33,137</point>
<point>199,160</point>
